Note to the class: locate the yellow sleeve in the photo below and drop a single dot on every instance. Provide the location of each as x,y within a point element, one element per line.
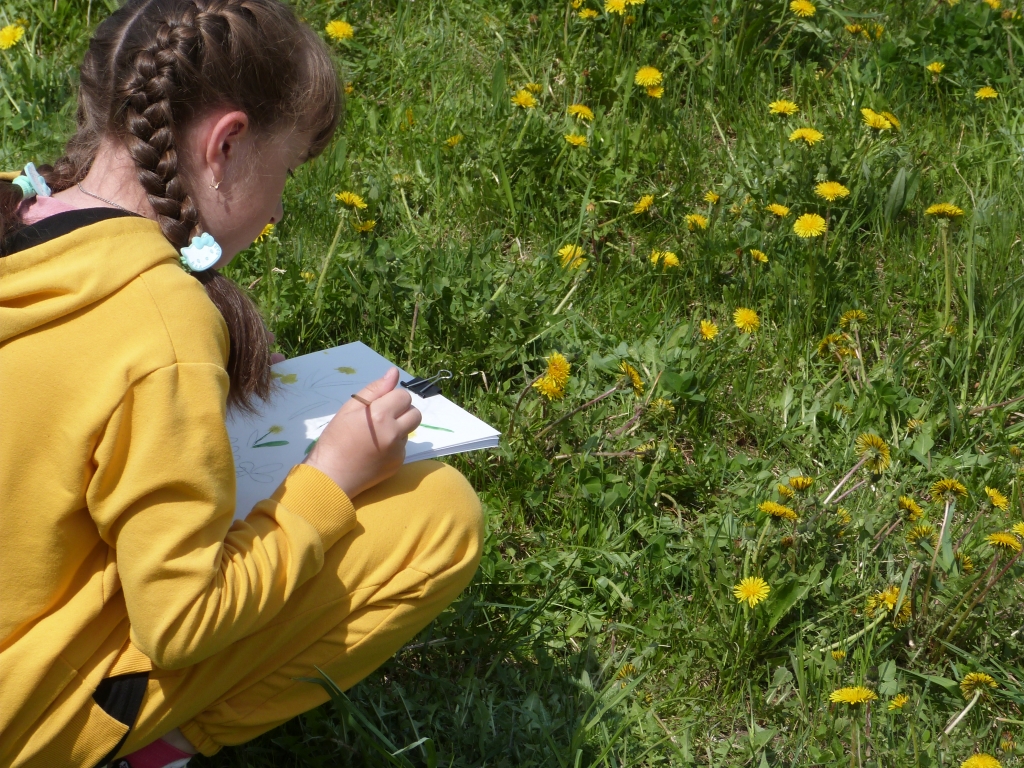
<point>163,496</point>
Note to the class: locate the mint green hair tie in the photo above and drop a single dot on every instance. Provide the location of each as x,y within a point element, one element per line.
<point>27,190</point>
<point>31,183</point>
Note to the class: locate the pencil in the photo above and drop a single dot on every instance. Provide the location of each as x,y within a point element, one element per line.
<point>362,400</point>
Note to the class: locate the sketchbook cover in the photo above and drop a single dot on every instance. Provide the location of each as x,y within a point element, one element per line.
<point>310,389</point>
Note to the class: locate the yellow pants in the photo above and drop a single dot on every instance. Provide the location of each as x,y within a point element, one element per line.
<point>415,546</point>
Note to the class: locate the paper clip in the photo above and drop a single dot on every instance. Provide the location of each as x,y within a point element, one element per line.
<point>427,387</point>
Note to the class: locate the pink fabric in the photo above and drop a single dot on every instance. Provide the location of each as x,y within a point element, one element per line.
<point>156,755</point>
<point>38,208</point>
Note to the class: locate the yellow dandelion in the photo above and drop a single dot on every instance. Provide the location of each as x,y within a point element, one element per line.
<point>778,210</point>
<point>558,368</point>
<point>349,89</point>
<point>784,491</point>
<point>587,14</point>
<point>995,5</point>
<point>997,499</point>
<point>810,136</point>
<point>534,88</point>
<point>10,35</point>
<point>339,30</point>
<point>268,230</point>
<point>852,316</point>
<point>853,696</point>
<point>643,204</point>
<point>981,760</point>
<point>783,107</point>
<point>965,562</point>
<point>669,259</point>
<point>576,139</point>
<point>759,256</point>
<point>351,199</point>
<point>1018,528</point>
<point>986,92</point>
<point>781,511</point>
<point>874,120</point>
<point>843,514</point>
<point>524,99</point>
<point>875,449</point>
<point>308,276</point>
<point>711,197</point>
<point>922,532</point>
<point>948,488</point>
<point>363,227</point>
<point>892,119</point>
<point>911,507</point>
<point>647,76</point>
<point>632,377</point>
<point>581,111</point>
<point>751,590</point>
<point>936,67</point>
<point>973,682</point>
<point>944,211</point>
<point>615,6</point>
<point>576,4</point>
<point>549,388</point>
<point>803,8</point>
<point>838,654</point>
<point>571,256</point>
<point>854,29</point>
<point>746,320</point>
<point>1005,541</point>
<point>708,330</point>
<point>453,141</point>
<point>801,482</point>
<point>695,221</point>
<point>655,91</point>
<point>628,670</point>
<point>835,345</point>
<point>898,702</point>
<point>809,225</point>
<point>831,190</point>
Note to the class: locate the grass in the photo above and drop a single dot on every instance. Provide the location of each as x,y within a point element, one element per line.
<point>602,628</point>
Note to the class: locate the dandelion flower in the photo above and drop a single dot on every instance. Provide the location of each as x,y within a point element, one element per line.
<point>558,368</point>
<point>453,141</point>
<point>892,119</point>
<point>835,345</point>
<point>628,670</point>
<point>981,760</point>
<point>669,259</point>
<point>831,190</point>
<point>632,376</point>
<point>778,210</point>
<point>711,197</point>
<point>587,14</point>
<point>852,316</point>
<point>571,256</point>
<point>911,507</point>
<point>803,8</point>
<point>746,320</point>
<point>351,199</point>
<point>986,92</point>
<point>923,531</point>
<point>936,67</point>
<point>339,30</point>
<point>308,276</point>
<point>995,5</point>
<point>965,562</point>
<point>524,99</point>
<point>853,696</point>
<point>708,330</point>
<point>839,654</point>
<point>752,590</point>
<point>784,491</point>
<point>647,76</point>
<point>809,225</point>
<point>695,221</point>
<point>363,227</point>
<point>801,482</point>
<point>948,488</point>
<point>576,139</point>
<point>643,204</point>
<point>268,230</point>
<point>10,35</point>
<point>874,120</point>
<point>781,511</point>
<point>534,88</point>
<point>1018,529</point>
<point>976,681</point>
<point>809,135</point>
<point>581,111</point>
<point>759,256</point>
<point>898,701</point>
<point>615,6</point>
<point>997,499</point>
<point>944,211</point>
<point>549,388</point>
<point>655,91</point>
<point>875,449</point>
<point>783,107</point>
<point>1004,541</point>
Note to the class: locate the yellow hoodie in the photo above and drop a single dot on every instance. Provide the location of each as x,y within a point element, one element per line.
<point>117,482</point>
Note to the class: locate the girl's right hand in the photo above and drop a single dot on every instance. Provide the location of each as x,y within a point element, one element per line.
<point>365,444</point>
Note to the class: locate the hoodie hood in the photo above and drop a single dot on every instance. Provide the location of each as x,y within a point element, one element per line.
<point>60,276</point>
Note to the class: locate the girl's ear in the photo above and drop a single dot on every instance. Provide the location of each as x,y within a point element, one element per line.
<point>221,142</point>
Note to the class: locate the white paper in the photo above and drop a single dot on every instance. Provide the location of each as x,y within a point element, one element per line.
<point>310,390</point>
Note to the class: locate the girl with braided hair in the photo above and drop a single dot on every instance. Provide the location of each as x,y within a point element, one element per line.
<point>138,623</point>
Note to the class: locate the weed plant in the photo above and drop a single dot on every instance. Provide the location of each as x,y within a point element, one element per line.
<point>795,543</point>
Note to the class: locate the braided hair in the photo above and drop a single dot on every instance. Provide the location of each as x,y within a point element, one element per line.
<point>155,66</point>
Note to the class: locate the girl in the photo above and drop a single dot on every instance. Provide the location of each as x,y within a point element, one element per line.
<point>135,619</point>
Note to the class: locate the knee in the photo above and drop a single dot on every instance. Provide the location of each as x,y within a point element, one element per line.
<point>457,513</point>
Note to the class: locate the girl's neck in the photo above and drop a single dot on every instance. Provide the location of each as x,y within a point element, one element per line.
<point>112,175</point>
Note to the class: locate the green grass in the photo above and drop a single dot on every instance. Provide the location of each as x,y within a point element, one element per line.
<point>601,628</point>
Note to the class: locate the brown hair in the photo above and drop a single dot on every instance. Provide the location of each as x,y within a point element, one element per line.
<point>155,66</point>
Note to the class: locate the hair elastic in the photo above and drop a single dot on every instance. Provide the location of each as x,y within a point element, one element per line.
<point>201,254</point>
<point>31,183</point>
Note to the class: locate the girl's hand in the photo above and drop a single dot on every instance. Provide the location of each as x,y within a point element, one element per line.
<point>365,444</point>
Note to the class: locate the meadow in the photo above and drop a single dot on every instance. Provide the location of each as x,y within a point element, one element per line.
<point>742,284</point>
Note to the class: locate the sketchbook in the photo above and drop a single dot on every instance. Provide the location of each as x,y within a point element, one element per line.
<point>310,389</point>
